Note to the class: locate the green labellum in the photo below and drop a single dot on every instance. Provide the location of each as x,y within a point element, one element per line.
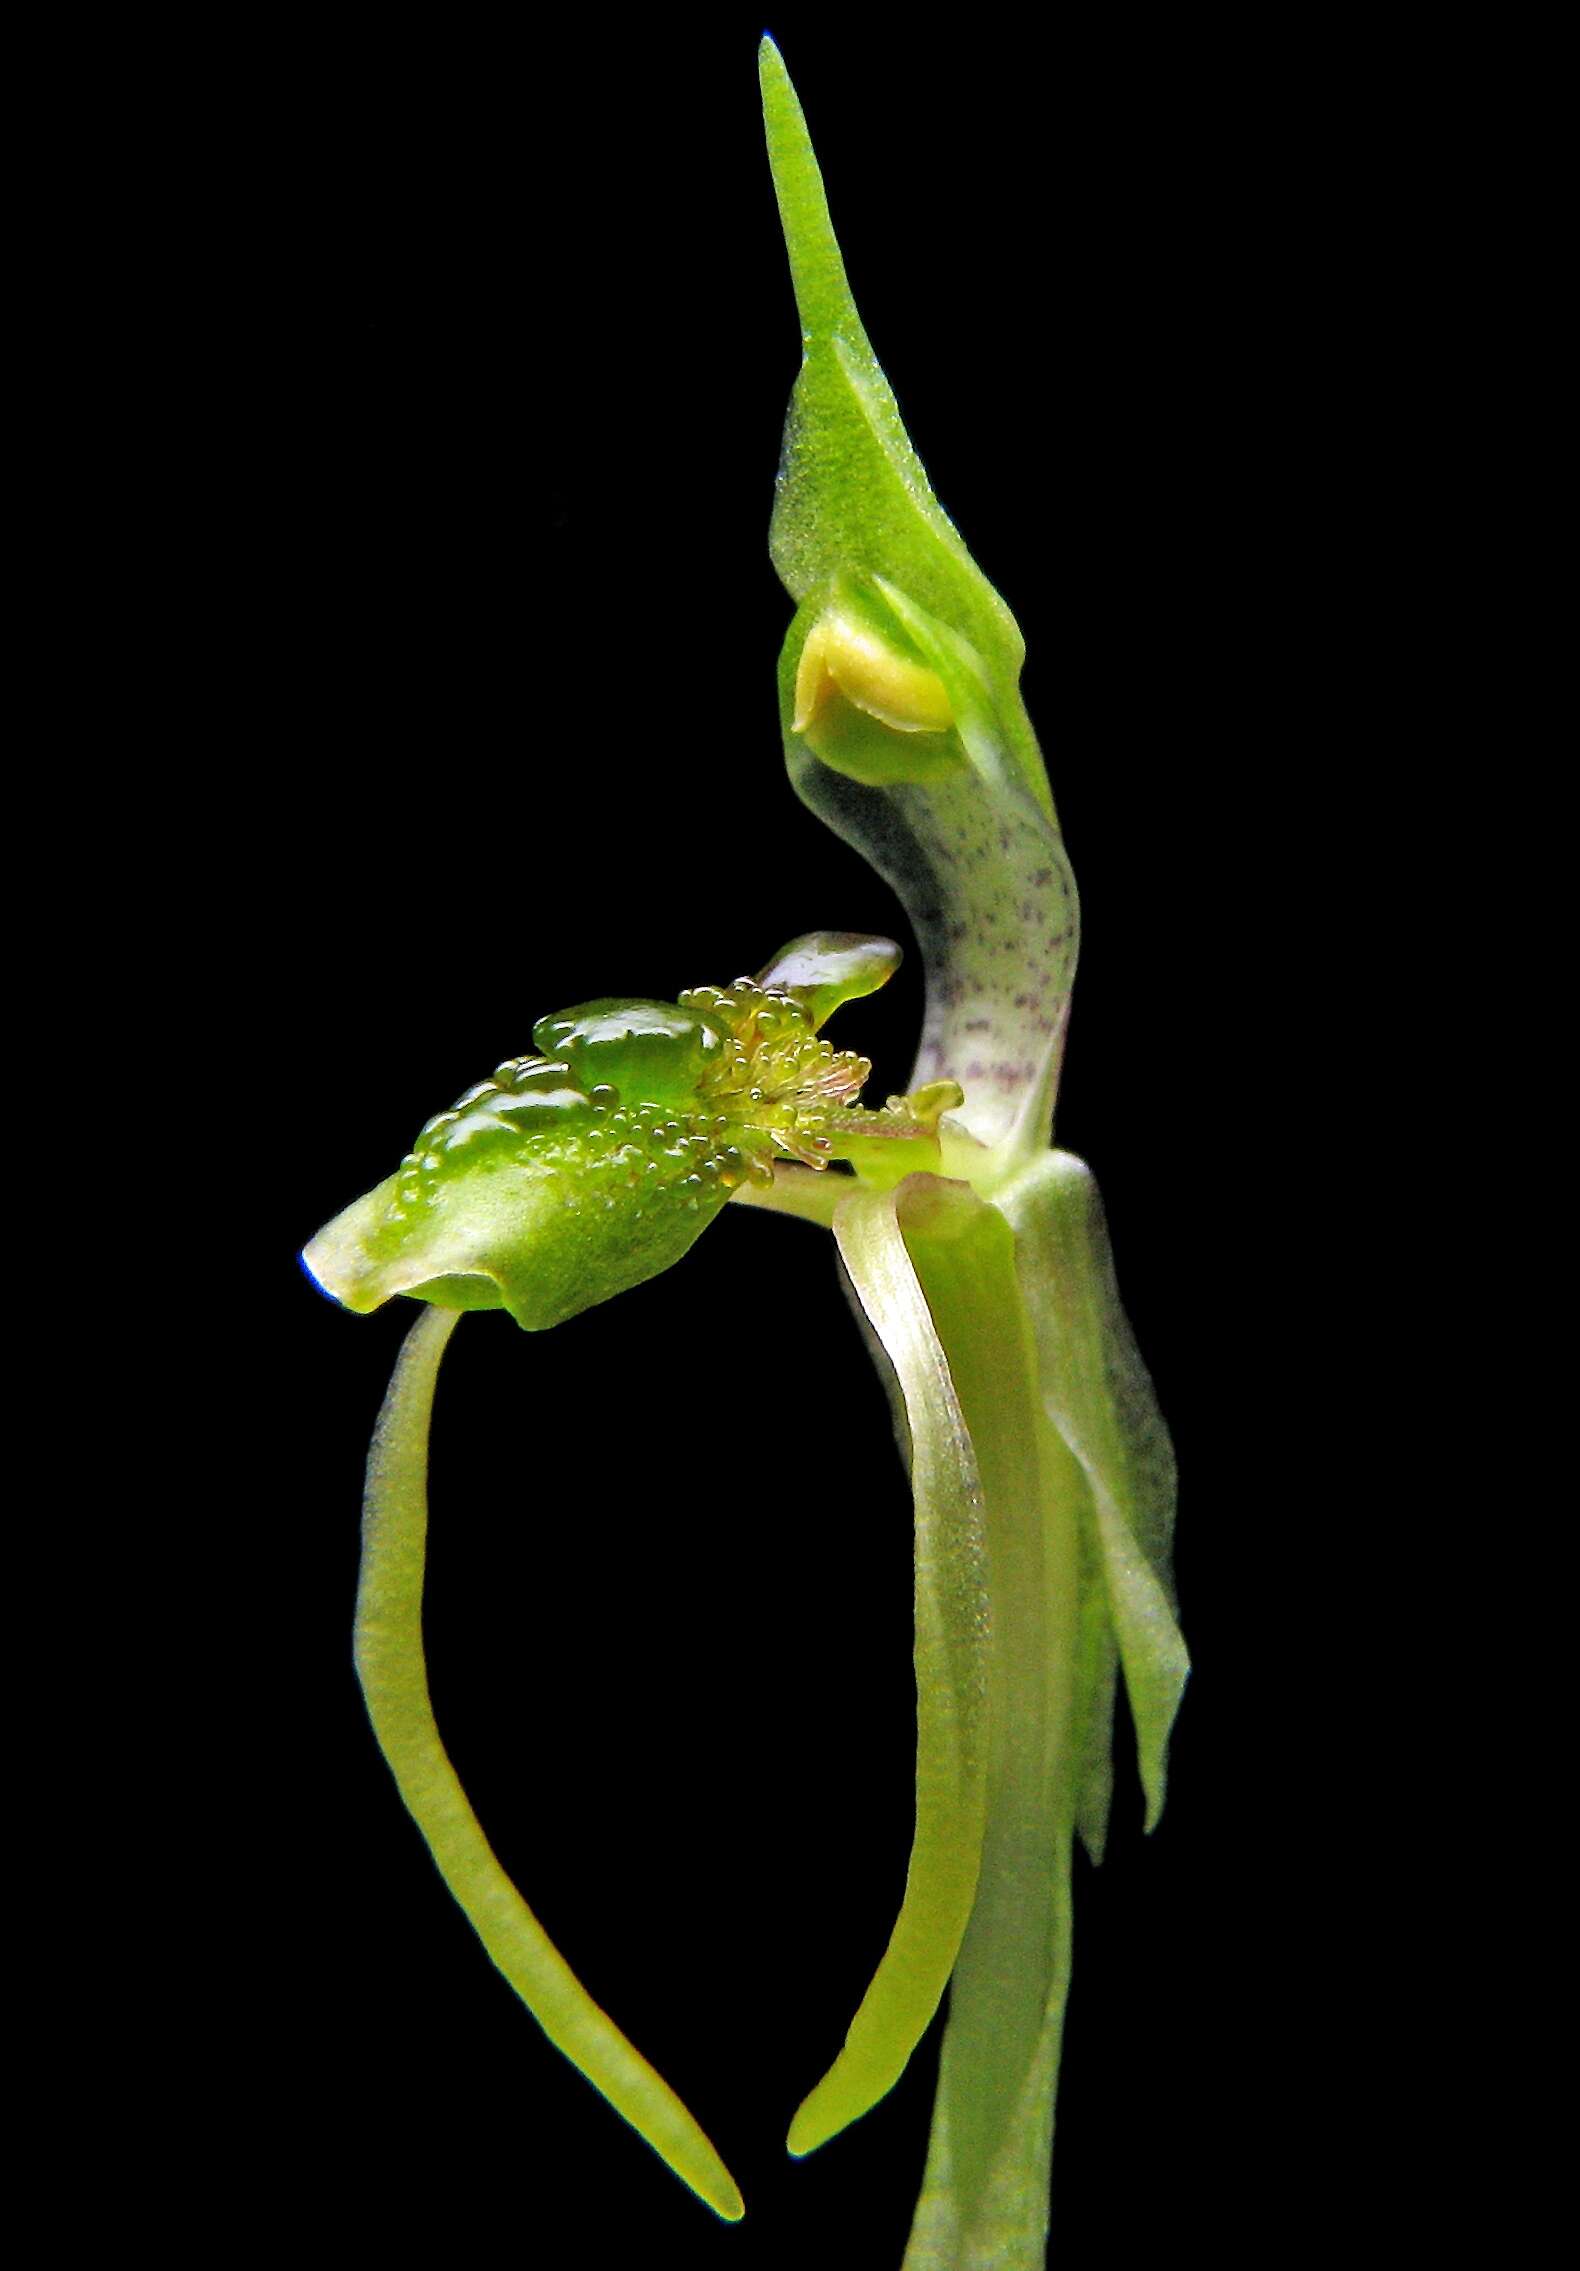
<point>649,1049</point>
<point>570,1176</point>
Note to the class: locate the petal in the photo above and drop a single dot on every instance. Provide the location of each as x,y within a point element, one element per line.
<point>951,1676</point>
<point>988,2161</point>
<point>1096,1391</point>
<point>393,1672</point>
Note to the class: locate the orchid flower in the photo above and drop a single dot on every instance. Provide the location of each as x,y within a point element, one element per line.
<point>974,1253</point>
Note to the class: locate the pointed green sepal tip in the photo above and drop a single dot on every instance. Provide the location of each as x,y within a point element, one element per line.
<point>852,493</point>
<point>822,292</point>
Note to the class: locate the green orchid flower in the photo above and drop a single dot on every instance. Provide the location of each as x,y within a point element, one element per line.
<point>974,1253</point>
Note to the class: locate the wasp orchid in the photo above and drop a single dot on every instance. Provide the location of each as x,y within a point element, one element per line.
<point>974,1252</point>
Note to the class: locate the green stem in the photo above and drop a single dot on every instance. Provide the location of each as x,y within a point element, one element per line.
<point>984,2203</point>
<point>393,1671</point>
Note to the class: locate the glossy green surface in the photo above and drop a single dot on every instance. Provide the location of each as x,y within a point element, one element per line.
<point>827,968</point>
<point>650,1050</point>
<point>1041,1474</point>
<point>571,1176</point>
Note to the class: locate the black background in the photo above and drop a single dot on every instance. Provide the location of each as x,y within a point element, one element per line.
<point>496,336</point>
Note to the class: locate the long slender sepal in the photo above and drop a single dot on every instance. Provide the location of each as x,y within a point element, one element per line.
<point>393,1671</point>
<point>1096,1391</point>
<point>984,2204</point>
<point>952,1641</point>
